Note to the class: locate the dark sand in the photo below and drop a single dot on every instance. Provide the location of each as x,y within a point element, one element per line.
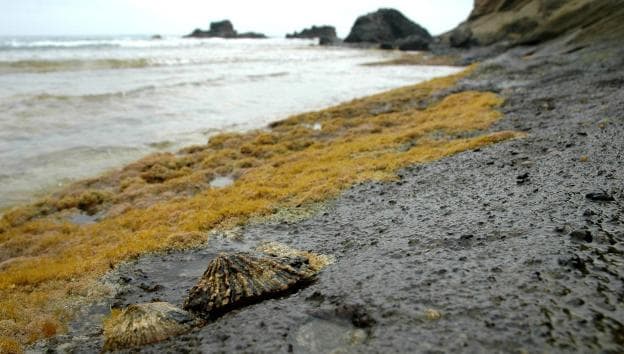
<point>485,238</point>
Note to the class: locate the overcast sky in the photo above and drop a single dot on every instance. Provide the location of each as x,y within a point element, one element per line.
<point>273,17</point>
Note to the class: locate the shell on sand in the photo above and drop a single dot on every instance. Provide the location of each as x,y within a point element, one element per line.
<point>146,323</point>
<point>236,279</point>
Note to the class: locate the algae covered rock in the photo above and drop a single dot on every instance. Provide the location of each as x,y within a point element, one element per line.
<point>234,280</point>
<point>142,324</point>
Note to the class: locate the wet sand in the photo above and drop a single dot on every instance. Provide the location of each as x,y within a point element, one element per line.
<point>506,243</point>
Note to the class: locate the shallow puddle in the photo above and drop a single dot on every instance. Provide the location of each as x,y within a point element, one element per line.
<point>221,181</point>
<point>326,336</point>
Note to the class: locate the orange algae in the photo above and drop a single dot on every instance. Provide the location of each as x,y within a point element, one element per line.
<point>165,201</point>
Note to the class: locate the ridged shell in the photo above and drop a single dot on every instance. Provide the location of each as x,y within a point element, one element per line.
<point>147,323</point>
<point>236,279</point>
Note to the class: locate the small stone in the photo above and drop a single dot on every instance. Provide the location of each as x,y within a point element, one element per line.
<point>432,315</point>
<point>521,179</point>
<point>600,197</point>
<point>583,159</point>
<point>581,236</point>
<point>559,228</point>
<point>150,288</point>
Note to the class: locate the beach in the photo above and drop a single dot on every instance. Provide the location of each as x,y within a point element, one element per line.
<point>477,211</point>
<point>75,107</point>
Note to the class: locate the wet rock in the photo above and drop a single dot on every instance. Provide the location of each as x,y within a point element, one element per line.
<point>385,26</point>
<point>142,324</point>
<point>150,288</point>
<point>223,29</point>
<point>357,314</point>
<point>233,280</point>
<point>574,262</point>
<point>413,42</point>
<point>461,37</point>
<point>581,236</point>
<point>523,178</point>
<point>600,197</point>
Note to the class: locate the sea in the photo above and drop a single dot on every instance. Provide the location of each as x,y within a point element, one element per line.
<point>75,107</point>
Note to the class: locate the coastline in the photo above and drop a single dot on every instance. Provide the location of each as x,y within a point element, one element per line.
<point>479,212</point>
<point>127,213</point>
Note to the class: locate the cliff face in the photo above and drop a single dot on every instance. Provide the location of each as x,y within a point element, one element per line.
<point>534,21</point>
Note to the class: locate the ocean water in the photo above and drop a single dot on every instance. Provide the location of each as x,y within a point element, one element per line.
<point>75,107</point>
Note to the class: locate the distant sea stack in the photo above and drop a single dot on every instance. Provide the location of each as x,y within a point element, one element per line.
<point>517,22</point>
<point>223,29</point>
<point>325,34</point>
<point>390,29</point>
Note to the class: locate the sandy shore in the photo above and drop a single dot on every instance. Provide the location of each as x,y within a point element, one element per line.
<point>499,249</point>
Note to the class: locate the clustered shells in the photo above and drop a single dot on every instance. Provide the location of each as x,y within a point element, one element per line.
<point>232,280</point>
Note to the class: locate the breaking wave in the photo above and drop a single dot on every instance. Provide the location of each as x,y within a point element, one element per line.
<point>44,66</point>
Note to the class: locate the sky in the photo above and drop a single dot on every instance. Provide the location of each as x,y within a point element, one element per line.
<point>272,17</point>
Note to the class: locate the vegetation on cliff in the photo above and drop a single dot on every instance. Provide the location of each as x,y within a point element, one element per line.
<point>52,252</point>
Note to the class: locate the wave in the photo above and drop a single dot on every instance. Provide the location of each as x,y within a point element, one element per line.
<point>30,101</point>
<point>87,43</point>
<point>45,66</point>
<point>258,77</point>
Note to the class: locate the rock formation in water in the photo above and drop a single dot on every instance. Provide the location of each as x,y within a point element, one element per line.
<point>390,29</point>
<point>516,22</point>
<point>325,34</point>
<point>223,29</point>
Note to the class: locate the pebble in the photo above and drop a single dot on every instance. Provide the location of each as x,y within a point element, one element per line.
<point>581,236</point>
<point>600,197</point>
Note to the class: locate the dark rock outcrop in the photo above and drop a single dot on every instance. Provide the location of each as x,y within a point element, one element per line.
<point>325,34</point>
<point>252,35</point>
<point>390,28</point>
<point>413,42</point>
<point>223,29</point>
<point>314,32</point>
<point>521,22</point>
<point>461,37</point>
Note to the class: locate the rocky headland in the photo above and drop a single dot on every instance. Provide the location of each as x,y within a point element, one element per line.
<point>482,212</point>
<point>223,29</point>
<point>526,22</point>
